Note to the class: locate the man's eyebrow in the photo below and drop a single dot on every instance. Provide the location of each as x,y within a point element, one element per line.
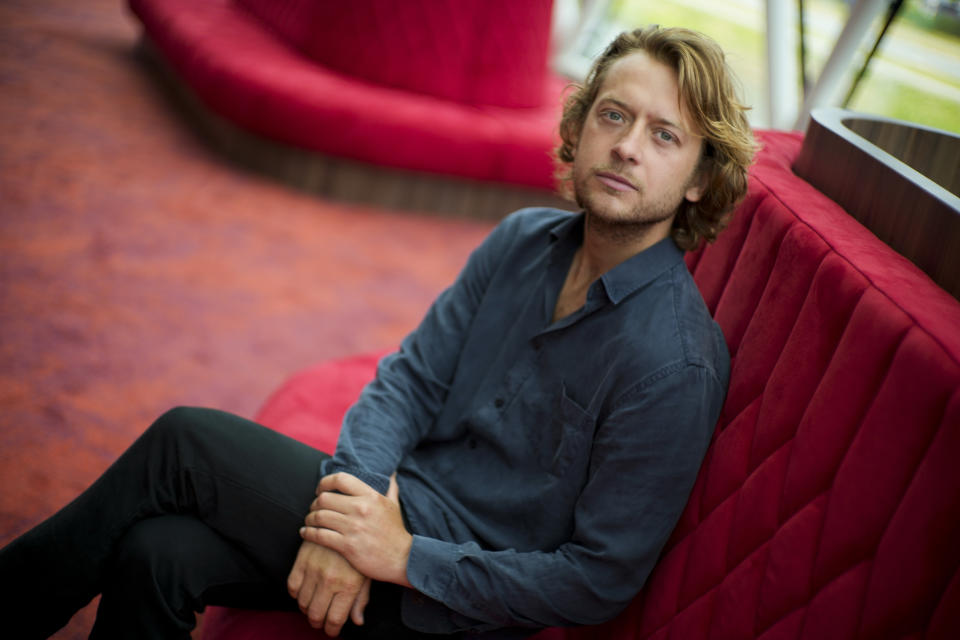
<point>626,107</point>
<point>670,123</point>
<point>619,103</point>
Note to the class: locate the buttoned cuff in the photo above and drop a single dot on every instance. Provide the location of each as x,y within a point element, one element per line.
<point>430,567</point>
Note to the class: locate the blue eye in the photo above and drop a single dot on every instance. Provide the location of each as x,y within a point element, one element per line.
<point>613,116</point>
<point>666,136</point>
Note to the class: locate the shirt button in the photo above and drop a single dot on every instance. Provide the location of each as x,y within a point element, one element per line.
<point>472,443</point>
<point>498,403</point>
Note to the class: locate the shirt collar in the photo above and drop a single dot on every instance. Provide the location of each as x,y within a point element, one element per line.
<point>632,274</point>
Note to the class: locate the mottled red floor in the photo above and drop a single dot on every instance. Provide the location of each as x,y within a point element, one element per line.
<point>139,270</point>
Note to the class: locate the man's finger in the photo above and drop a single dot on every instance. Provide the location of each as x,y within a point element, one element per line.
<point>324,537</point>
<point>333,501</point>
<point>328,520</point>
<point>393,492</point>
<point>356,612</point>
<point>338,612</point>
<point>344,483</point>
<point>307,594</point>
<point>317,609</point>
<point>295,581</point>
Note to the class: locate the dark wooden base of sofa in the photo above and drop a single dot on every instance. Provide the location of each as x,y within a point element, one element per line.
<point>340,179</point>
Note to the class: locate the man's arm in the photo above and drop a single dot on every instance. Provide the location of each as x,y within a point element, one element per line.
<point>391,416</point>
<point>643,463</point>
<point>396,410</point>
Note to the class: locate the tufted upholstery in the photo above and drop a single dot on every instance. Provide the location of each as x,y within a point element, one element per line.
<point>458,50</point>
<point>828,505</point>
<point>442,86</point>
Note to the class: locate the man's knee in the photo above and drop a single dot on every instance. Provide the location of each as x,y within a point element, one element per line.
<point>177,419</point>
<point>147,549</point>
<point>156,579</point>
<point>179,439</point>
<point>165,552</point>
<point>190,426</point>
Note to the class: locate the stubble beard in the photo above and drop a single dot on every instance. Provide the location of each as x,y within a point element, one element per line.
<point>625,226</point>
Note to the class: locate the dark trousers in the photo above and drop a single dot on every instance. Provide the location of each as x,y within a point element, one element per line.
<point>204,508</point>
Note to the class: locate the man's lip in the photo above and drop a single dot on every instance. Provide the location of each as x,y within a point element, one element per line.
<point>614,181</point>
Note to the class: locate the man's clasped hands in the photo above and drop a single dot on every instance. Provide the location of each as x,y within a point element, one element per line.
<point>352,534</point>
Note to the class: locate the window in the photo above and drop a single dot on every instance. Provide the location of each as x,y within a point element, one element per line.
<point>914,76</point>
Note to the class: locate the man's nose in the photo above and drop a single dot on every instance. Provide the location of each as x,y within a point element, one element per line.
<point>630,146</point>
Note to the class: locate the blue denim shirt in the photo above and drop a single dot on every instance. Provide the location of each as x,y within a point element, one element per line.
<point>542,465</point>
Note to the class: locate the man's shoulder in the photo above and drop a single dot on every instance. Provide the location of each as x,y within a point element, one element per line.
<point>535,220</point>
<point>525,229</point>
<point>697,332</point>
<point>676,330</point>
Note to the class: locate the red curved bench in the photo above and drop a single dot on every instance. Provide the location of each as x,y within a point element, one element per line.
<point>455,87</point>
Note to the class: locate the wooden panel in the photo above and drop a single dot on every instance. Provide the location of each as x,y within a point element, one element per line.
<point>935,154</point>
<point>902,204</point>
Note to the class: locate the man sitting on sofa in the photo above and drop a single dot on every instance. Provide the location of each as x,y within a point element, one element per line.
<point>518,463</point>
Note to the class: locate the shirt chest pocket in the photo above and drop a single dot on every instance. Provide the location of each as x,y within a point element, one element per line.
<point>563,441</point>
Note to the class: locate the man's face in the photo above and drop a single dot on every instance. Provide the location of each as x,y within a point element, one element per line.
<point>638,151</point>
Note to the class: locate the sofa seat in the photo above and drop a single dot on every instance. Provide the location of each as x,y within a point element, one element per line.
<point>293,71</point>
<point>828,505</point>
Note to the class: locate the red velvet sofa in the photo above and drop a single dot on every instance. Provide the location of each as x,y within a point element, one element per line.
<point>828,505</point>
<point>454,87</point>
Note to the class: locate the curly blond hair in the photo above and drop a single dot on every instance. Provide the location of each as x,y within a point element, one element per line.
<point>709,93</point>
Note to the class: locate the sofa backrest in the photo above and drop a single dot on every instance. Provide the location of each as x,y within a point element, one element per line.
<point>828,505</point>
<point>471,51</point>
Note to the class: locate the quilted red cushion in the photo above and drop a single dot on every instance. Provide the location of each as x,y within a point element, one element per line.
<point>472,51</point>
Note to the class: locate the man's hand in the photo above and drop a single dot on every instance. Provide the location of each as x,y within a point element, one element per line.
<point>327,588</point>
<point>365,527</point>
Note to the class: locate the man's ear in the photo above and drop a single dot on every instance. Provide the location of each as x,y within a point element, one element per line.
<point>697,186</point>
<point>570,137</point>
<point>700,179</point>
